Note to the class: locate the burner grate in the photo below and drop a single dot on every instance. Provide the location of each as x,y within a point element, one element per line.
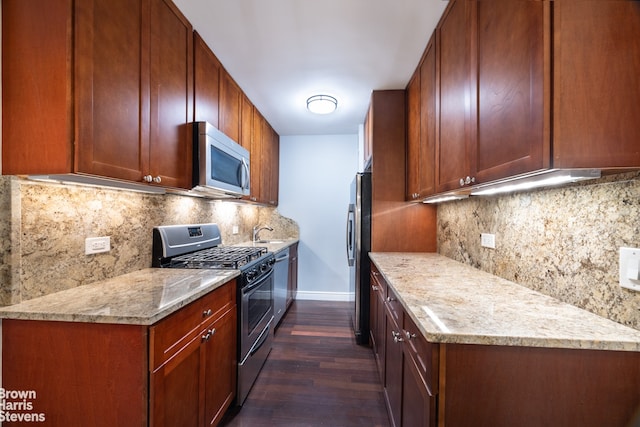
<point>232,257</point>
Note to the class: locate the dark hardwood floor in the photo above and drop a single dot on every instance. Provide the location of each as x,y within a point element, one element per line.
<point>316,375</point>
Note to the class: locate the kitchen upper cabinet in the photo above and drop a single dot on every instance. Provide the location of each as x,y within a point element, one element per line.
<point>171,57</point>
<point>511,133</point>
<point>265,144</point>
<point>421,127</point>
<point>493,90</point>
<point>246,125</point>
<point>455,152</point>
<point>596,106</point>
<point>230,106</point>
<point>393,219</point>
<point>508,70</point>
<point>107,85</point>
<point>206,82</point>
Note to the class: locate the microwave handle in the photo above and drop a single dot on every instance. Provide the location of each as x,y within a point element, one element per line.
<point>245,175</point>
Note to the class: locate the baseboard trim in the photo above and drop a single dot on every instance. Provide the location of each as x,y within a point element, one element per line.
<point>325,296</point>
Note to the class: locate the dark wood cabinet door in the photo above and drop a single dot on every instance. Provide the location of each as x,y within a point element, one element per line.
<point>596,104</point>
<point>230,106</point>
<point>206,82</point>
<point>512,86</point>
<point>428,121</point>
<point>256,156</point>
<point>270,165</point>
<point>171,95</point>
<point>393,370</point>
<point>454,150</point>
<point>111,88</point>
<point>175,389</point>
<point>418,407</point>
<point>220,366</point>
<point>246,124</point>
<point>292,285</point>
<point>413,136</point>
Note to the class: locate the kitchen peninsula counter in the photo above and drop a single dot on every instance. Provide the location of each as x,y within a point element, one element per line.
<point>454,303</point>
<point>142,297</point>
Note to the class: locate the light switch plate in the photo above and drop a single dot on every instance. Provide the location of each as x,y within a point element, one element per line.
<point>629,266</point>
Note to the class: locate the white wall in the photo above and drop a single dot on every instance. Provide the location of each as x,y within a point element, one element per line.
<point>315,178</point>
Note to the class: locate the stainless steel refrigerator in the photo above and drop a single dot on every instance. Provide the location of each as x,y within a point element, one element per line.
<point>358,247</point>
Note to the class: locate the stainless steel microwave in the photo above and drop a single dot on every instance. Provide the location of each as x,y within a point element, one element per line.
<point>220,165</point>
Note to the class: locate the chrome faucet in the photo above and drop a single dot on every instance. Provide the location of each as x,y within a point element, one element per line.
<point>257,229</point>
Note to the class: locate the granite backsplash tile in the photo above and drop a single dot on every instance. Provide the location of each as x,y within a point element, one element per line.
<point>563,242</point>
<point>43,228</point>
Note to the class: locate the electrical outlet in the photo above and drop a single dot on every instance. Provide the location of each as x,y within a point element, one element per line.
<point>234,229</point>
<point>488,240</point>
<point>96,245</point>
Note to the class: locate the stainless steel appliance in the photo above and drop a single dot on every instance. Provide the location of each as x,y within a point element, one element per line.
<point>280,282</point>
<point>358,247</point>
<point>220,165</point>
<point>198,246</point>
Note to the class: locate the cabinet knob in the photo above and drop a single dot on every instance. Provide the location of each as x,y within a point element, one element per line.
<point>390,299</point>
<point>374,287</point>
<point>206,313</point>
<point>147,178</point>
<point>409,335</point>
<point>157,179</point>
<point>397,337</point>
<point>206,337</point>
<point>461,182</point>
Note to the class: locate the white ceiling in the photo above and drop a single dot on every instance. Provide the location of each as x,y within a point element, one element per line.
<point>281,52</point>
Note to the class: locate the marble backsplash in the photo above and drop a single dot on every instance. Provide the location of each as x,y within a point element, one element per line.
<point>43,228</point>
<point>563,242</point>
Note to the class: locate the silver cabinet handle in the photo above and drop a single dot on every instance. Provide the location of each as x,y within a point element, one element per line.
<point>390,299</point>
<point>397,337</point>
<point>206,337</point>
<point>207,313</point>
<point>147,178</point>
<point>409,335</point>
<point>157,179</point>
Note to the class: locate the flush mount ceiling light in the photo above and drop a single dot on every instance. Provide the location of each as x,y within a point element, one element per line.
<point>322,104</point>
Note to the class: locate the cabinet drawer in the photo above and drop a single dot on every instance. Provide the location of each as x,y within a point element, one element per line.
<point>423,353</point>
<point>378,283</point>
<point>394,306</point>
<point>174,332</point>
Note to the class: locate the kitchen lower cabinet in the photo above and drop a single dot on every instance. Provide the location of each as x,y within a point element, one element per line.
<point>409,364</point>
<point>180,371</point>
<point>377,319</point>
<point>193,360</point>
<point>460,385</point>
<point>292,286</point>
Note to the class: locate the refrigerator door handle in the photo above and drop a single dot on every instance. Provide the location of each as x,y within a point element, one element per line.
<point>350,235</point>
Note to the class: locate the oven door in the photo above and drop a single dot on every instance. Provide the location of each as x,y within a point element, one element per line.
<point>256,311</point>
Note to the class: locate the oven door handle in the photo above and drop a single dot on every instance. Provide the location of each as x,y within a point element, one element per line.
<point>261,340</point>
<point>257,283</point>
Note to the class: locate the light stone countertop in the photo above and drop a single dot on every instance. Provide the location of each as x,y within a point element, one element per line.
<point>274,245</point>
<point>452,302</point>
<point>139,298</point>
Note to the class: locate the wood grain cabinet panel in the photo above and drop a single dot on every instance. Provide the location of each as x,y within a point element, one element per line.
<point>206,82</point>
<point>396,225</point>
<point>596,60</point>
<point>180,371</point>
<point>112,78</point>
<point>455,152</point>
<point>511,132</point>
<point>421,126</point>
<point>230,106</point>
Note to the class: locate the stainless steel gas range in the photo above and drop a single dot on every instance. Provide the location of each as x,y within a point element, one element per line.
<point>200,246</point>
